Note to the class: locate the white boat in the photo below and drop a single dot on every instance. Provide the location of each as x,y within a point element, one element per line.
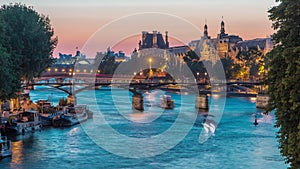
<point>5,148</point>
<point>23,122</point>
<point>71,116</point>
<point>166,102</point>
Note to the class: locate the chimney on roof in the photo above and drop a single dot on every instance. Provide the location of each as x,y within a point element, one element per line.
<point>155,39</point>
<point>144,34</point>
<point>167,41</point>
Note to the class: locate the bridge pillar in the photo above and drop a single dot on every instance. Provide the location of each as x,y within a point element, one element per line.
<point>262,101</point>
<point>71,99</point>
<point>138,102</point>
<point>201,103</point>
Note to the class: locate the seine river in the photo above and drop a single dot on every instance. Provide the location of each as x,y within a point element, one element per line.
<point>236,143</point>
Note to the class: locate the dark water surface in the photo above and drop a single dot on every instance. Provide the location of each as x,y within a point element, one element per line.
<point>237,143</point>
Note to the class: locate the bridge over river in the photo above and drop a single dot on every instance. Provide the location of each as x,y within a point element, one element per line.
<point>72,85</point>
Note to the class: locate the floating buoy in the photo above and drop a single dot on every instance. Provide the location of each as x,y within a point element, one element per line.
<point>255,121</point>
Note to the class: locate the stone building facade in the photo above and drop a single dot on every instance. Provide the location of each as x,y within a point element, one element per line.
<point>225,45</point>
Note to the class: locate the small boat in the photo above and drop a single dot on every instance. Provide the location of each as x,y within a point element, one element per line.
<point>5,148</point>
<point>46,112</point>
<point>71,116</point>
<point>27,121</point>
<point>46,118</point>
<point>166,102</point>
<point>149,99</point>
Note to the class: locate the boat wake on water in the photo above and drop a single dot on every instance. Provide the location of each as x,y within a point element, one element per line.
<point>209,127</point>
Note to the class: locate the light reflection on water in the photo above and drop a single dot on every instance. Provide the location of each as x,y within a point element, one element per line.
<point>237,143</point>
<point>17,148</point>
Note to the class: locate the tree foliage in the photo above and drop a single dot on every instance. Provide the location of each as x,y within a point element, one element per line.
<point>9,82</point>
<point>252,61</point>
<point>26,46</point>
<point>106,63</point>
<point>29,40</point>
<point>231,69</point>
<point>284,76</point>
<point>196,66</point>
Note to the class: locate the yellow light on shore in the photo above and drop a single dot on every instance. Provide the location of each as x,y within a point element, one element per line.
<point>150,68</point>
<point>55,69</point>
<point>63,70</point>
<point>70,70</point>
<point>49,69</point>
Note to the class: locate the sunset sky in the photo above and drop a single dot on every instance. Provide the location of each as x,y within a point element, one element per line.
<point>75,21</point>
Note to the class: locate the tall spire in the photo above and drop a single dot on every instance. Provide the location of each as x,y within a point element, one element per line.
<point>167,41</point>
<point>205,31</point>
<point>222,27</point>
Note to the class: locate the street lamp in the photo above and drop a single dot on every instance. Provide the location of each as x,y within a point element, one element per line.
<point>150,70</point>
<point>205,77</point>
<point>197,77</point>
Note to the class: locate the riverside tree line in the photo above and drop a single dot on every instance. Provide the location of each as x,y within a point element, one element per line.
<point>26,45</point>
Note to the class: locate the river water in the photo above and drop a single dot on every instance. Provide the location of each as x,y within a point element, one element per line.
<point>236,143</point>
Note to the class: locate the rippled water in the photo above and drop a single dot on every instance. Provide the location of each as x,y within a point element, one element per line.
<point>237,143</point>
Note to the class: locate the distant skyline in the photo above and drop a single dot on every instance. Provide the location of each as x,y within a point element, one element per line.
<point>74,21</point>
